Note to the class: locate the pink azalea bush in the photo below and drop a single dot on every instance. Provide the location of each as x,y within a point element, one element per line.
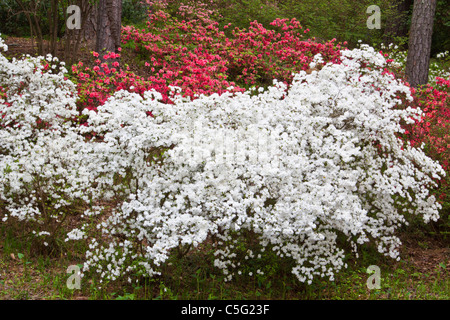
<point>433,131</point>
<point>196,56</point>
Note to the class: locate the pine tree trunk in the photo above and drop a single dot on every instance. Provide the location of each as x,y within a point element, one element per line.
<point>90,26</point>
<point>419,47</point>
<point>108,25</point>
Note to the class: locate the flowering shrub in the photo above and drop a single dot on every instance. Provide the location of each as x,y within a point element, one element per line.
<point>44,176</point>
<point>433,129</point>
<point>259,55</point>
<point>180,53</point>
<point>95,85</point>
<point>197,57</point>
<point>438,69</point>
<point>300,168</point>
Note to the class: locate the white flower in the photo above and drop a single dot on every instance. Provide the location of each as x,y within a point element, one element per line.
<point>296,166</point>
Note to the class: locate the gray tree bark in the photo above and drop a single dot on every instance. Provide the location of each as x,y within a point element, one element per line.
<point>397,25</point>
<point>90,26</point>
<point>419,46</point>
<point>109,22</point>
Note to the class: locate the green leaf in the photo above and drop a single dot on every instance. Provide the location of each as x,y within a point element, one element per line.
<point>20,256</point>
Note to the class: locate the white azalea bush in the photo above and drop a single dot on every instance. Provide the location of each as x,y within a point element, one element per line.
<point>290,170</point>
<point>299,171</point>
<point>44,160</point>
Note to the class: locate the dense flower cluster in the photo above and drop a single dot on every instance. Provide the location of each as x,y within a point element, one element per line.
<point>304,167</point>
<point>432,129</point>
<point>95,85</point>
<point>199,58</point>
<point>197,170</point>
<point>44,161</point>
<point>196,56</point>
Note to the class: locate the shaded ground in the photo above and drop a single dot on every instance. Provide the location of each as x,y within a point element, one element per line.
<point>423,273</point>
<point>424,256</point>
<point>22,46</point>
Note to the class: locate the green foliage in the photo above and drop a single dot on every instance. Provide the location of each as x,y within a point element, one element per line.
<point>441,28</point>
<point>134,12</point>
<point>344,20</point>
<point>13,22</point>
<point>241,12</point>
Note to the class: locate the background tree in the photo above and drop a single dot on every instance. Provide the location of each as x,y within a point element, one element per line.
<point>74,37</point>
<point>31,9</point>
<point>109,21</point>
<point>419,46</point>
<point>397,24</point>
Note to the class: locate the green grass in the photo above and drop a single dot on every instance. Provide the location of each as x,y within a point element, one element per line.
<point>25,274</point>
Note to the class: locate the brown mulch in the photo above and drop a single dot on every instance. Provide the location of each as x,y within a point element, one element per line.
<point>426,256</point>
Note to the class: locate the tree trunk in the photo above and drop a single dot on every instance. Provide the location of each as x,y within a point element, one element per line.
<point>419,47</point>
<point>53,24</point>
<point>73,38</point>
<point>90,26</point>
<point>109,23</point>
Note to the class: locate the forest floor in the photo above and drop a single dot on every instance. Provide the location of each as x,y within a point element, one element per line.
<point>423,273</point>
